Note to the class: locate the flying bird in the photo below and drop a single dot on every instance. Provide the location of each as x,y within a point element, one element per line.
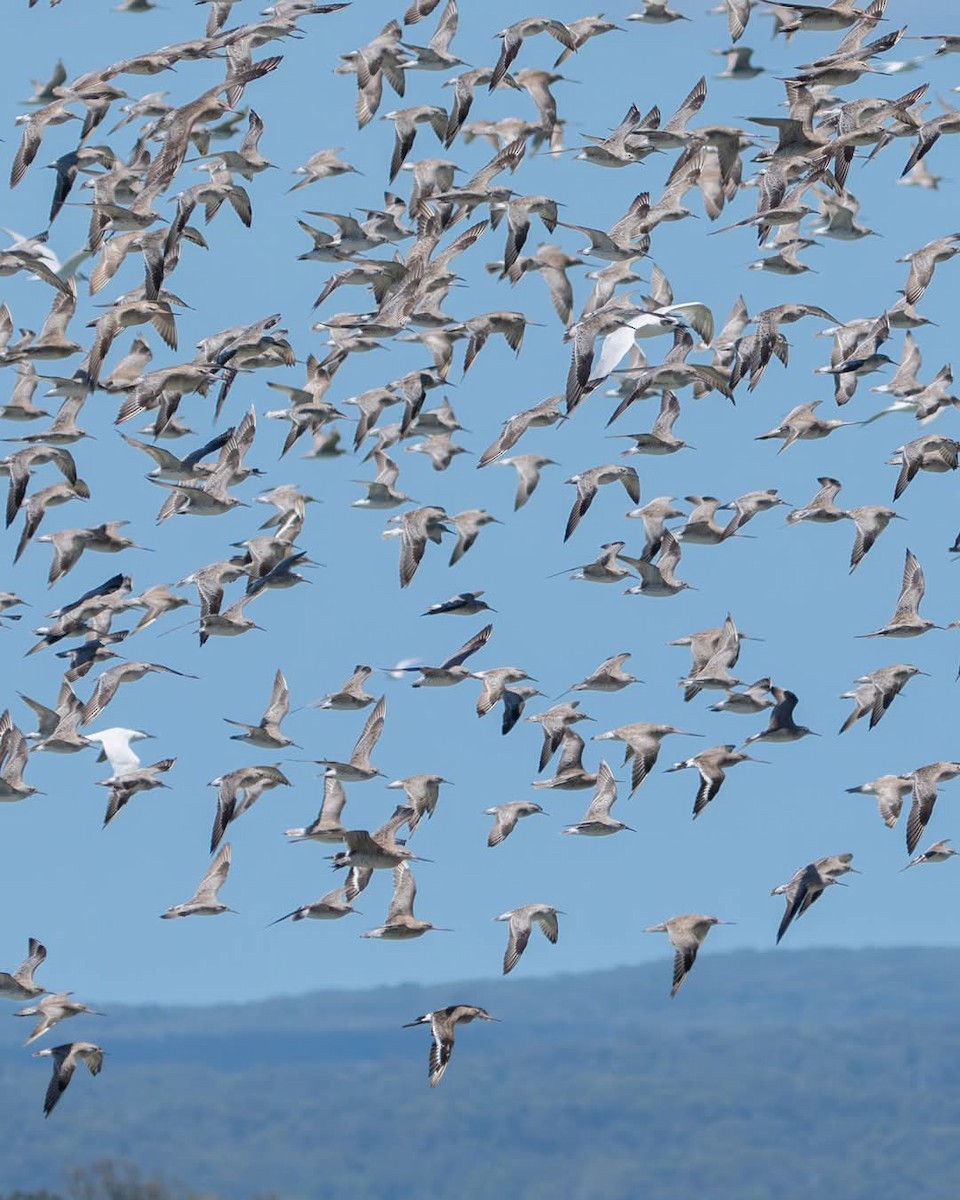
<point>506,817</point>
<point>807,885</point>
<point>65,1059</point>
<point>686,935</point>
<point>206,902</point>
<point>521,924</point>
<point>20,984</point>
<point>359,768</point>
<point>443,1023</point>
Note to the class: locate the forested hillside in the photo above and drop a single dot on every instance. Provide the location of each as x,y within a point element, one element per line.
<point>773,1075</point>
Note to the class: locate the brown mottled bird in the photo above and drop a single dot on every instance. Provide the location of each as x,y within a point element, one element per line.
<point>443,1023</point>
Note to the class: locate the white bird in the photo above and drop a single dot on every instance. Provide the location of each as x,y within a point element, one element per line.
<point>617,344</point>
<point>115,748</point>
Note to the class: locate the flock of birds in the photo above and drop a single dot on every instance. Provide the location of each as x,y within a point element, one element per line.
<point>405,256</point>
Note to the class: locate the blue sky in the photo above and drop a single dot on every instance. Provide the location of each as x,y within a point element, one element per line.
<point>93,896</point>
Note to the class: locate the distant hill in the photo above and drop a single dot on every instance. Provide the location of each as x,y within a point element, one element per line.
<point>770,1076</point>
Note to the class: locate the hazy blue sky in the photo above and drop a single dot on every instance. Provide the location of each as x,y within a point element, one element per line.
<point>94,896</point>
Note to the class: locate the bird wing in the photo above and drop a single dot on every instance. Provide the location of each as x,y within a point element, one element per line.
<point>36,953</point>
<point>796,894</point>
<point>492,690</point>
<point>669,411</point>
<point>103,693</point>
<point>615,345</point>
<point>371,732</point>
<point>357,880</point>
<point>547,920</point>
<point>446,28</point>
<point>214,879</point>
<point>738,14</point>
<point>710,780</point>
<point>921,809</point>
<point>883,698</point>
<point>911,590</point>
<point>404,894</point>
<point>512,710</point>
<point>226,810</point>
<point>406,133</point>
<point>334,798</point>
<point>64,1065</point>
<point>503,825</point>
<point>605,794</point>
<point>782,715</point>
<point>631,483</point>
<point>354,685</point>
<point>93,1057</point>
<point>644,759</point>
<point>911,460</point>
<point>117,799</point>
<point>279,704</point>
<point>683,960</point>
<point>413,543</point>
<point>889,803</point>
<point>517,940</point>
<point>669,556</point>
<point>551,740</point>
<point>440,1050</point>
<point>359,841</point>
<point>469,647</point>
<point>864,538</point>
<point>571,754</point>
<point>586,491</point>
<point>67,548</point>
